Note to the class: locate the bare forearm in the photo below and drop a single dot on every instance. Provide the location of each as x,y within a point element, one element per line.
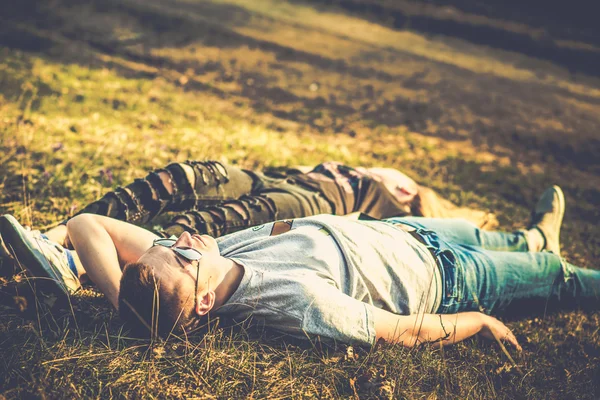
<point>98,256</point>
<point>447,328</point>
<point>130,241</point>
<point>411,330</point>
<point>104,246</point>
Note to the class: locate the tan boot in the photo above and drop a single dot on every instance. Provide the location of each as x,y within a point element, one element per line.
<point>547,217</point>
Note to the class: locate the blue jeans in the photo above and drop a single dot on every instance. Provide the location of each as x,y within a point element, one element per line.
<point>493,272</point>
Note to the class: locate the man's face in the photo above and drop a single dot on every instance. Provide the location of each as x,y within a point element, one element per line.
<point>177,274</point>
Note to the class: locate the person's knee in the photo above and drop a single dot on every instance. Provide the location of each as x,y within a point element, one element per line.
<point>172,170</point>
<point>180,220</point>
<point>568,270</point>
<point>178,176</point>
<point>239,209</point>
<point>166,181</point>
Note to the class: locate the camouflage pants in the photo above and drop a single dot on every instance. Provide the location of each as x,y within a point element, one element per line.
<point>218,200</point>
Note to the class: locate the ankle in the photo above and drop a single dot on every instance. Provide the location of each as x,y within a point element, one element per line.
<point>58,234</point>
<point>535,239</point>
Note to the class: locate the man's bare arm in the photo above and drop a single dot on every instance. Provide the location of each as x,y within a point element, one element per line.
<point>445,329</point>
<point>104,246</point>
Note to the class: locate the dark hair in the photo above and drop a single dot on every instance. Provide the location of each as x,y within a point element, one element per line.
<point>149,310</point>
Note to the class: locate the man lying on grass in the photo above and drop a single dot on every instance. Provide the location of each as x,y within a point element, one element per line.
<point>405,280</point>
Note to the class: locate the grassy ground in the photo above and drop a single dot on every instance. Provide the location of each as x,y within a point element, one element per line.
<point>94,95</point>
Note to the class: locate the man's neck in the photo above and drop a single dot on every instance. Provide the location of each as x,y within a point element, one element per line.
<point>229,284</point>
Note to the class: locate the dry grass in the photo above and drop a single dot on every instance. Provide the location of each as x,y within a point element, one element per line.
<point>95,95</point>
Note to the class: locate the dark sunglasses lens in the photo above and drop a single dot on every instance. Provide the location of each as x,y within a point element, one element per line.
<point>164,242</point>
<point>189,253</point>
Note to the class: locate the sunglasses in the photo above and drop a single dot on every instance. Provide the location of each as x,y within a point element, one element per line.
<point>189,253</point>
<point>186,252</point>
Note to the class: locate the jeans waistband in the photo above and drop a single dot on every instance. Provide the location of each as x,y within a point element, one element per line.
<point>449,288</point>
<point>438,272</point>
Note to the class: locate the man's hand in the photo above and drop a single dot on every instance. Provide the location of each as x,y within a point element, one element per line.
<point>496,330</point>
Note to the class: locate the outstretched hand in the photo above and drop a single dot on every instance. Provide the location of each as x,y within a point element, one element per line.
<point>496,330</point>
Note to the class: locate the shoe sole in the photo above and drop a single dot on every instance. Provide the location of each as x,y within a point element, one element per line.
<point>5,256</point>
<point>561,209</point>
<point>26,254</point>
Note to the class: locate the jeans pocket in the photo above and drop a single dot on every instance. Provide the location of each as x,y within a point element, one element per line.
<point>453,282</point>
<point>452,276</point>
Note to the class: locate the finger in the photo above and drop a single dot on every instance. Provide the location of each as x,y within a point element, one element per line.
<point>511,338</point>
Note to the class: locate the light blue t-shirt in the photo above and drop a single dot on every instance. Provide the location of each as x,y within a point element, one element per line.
<point>322,276</point>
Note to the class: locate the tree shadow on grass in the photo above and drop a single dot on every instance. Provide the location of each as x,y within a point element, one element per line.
<point>15,80</point>
<point>471,27</point>
<point>487,109</point>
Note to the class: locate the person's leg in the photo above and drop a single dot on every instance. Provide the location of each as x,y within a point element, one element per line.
<point>493,282</point>
<point>461,231</point>
<point>428,203</point>
<point>177,187</point>
<point>278,199</point>
<point>543,231</point>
